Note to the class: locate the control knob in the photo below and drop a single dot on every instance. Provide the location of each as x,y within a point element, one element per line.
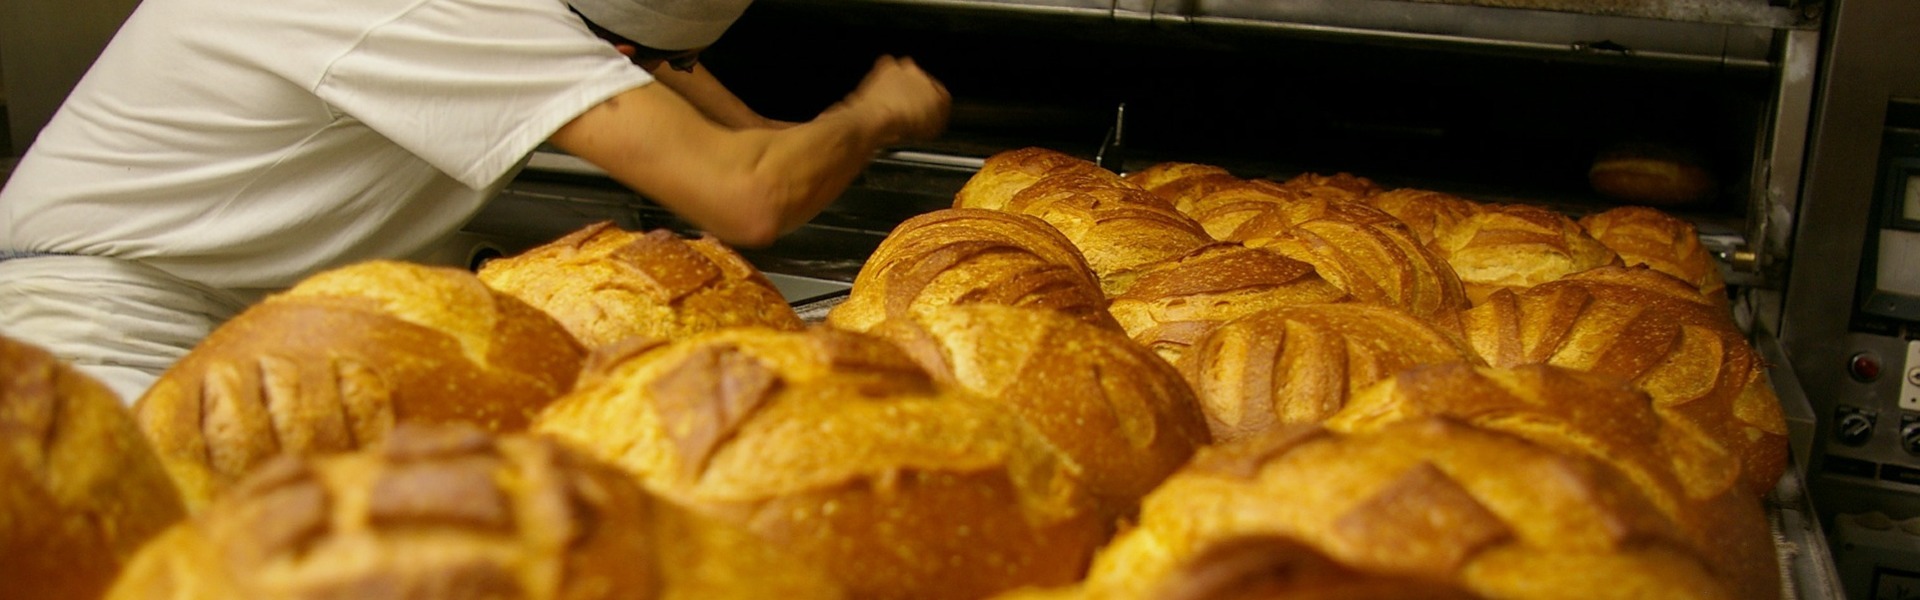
<point>1855,428</point>
<point>1910,437</point>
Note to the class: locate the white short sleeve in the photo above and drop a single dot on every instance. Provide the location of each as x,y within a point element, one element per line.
<point>472,86</point>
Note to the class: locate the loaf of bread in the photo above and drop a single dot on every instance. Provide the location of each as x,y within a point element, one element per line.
<point>1425,212</point>
<point>837,447</point>
<point>80,488</point>
<point>1006,173</point>
<point>1338,186</point>
<point>1687,476</point>
<point>1364,252</point>
<point>1175,302</point>
<point>1299,364</point>
<point>1428,499</point>
<point>1119,415</point>
<point>1119,228</point>
<point>450,512</point>
<point>606,284</point>
<point>964,256</point>
<point>335,362</point>
<point>1658,333</point>
<point>1515,246</point>
<point>1662,242</point>
<point>1651,174</point>
<point>1263,567</point>
<point>1218,200</point>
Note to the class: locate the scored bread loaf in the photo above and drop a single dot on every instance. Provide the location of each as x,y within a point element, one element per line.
<point>1299,364</point>
<point>1121,417</point>
<point>837,447</point>
<point>1006,173</point>
<point>1430,499</point>
<point>449,512</point>
<point>964,256</point>
<point>1687,476</point>
<point>333,363</point>
<point>1118,227</point>
<point>606,284</point>
<point>1345,187</point>
<point>1364,252</point>
<point>1516,246</point>
<point>1662,242</point>
<point>80,488</point>
<point>1658,333</point>
<point>1175,302</point>
<point>1425,212</point>
<point>1262,567</point>
<point>1219,201</point>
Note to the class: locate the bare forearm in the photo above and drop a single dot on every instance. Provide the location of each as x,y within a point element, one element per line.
<point>713,99</point>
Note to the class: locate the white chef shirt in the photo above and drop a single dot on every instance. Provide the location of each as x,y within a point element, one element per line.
<point>220,150</point>
<point>246,145</point>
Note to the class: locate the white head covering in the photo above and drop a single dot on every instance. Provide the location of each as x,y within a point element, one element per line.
<point>664,24</point>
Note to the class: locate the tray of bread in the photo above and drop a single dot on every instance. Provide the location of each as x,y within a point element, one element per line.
<point>1178,383</point>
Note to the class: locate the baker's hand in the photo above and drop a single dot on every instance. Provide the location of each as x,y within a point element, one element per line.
<point>909,103</point>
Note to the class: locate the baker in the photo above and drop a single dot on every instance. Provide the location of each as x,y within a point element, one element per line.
<point>218,152</point>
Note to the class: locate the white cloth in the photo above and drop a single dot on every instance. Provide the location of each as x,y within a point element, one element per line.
<point>248,145</point>
<point>118,321</point>
<point>664,24</point>
<point>242,146</point>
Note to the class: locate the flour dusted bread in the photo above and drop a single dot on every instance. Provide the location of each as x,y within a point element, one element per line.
<point>606,284</point>
<point>1429,499</point>
<point>1121,417</point>
<point>1661,241</point>
<point>1657,332</point>
<point>964,256</point>
<point>1300,364</point>
<point>1175,302</point>
<point>1689,477</point>
<point>335,362</point>
<point>1118,227</point>
<point>80,488</point>
<point>1515,246</point>
<point>837,447</point>
<point>448,512</point>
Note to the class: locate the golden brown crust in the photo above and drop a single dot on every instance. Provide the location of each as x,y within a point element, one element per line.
<point>1298,365</point>
<point>1430,499</point>
<point>852,458</point>
<point>1159,175</point>
<point>1662,242</point>
<point>1425,212</point>
<point>1364,252</point>
<point>1686,475</point>
<point>335,362</point>
<point>1216,199</point>
<point>1660,334</point>
<point>1122,417</point>
<point>80,488</point>
<point>965,256</point>
<point>1006,173</point>
<point>1269,567</point>
<point>1344,187</point>
<point>1119,228</point>
<point>1651,174</point>
<point>434,512</point>
<point>1173,303</point>
<point>606,284</point>
<point>1517,246</point>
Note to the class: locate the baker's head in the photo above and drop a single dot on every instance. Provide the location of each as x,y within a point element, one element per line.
<point>663,24</point>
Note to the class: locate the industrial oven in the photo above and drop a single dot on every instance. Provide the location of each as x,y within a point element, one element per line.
<point>1805,115</point>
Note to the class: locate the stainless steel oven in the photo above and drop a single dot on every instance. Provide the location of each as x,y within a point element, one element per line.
<point>1806,115</point>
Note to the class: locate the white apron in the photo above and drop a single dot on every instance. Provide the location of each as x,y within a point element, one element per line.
<point>119,321</point>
